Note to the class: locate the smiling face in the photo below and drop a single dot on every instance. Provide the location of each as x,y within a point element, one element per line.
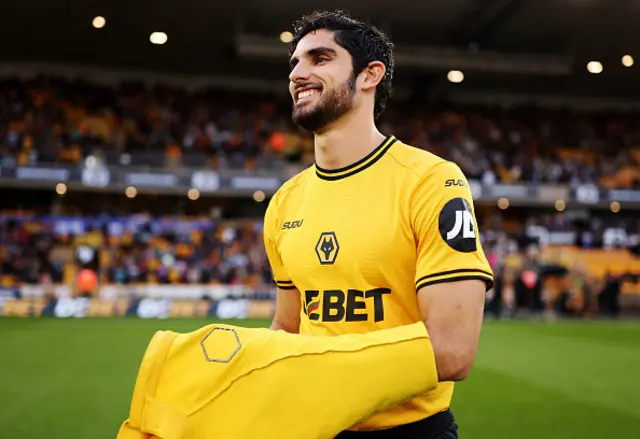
<point>322,84</point>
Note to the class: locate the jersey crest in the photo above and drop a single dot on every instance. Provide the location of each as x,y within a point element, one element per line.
<point>327,248</point>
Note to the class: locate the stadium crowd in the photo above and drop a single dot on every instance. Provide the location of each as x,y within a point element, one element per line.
<point>56,120</point>
<point>130,250</point>
<point>139,249</point>
<point>52,120</point>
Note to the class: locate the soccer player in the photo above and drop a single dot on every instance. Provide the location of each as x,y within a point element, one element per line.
<point>376,233</point>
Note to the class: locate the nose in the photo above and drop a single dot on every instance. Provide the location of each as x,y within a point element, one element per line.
<point>299,73</point>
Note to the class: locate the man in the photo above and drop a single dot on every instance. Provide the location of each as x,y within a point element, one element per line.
<point>377,233</point>
<point>223,381</point>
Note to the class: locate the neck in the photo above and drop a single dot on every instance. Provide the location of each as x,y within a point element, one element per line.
<point>346,141</point>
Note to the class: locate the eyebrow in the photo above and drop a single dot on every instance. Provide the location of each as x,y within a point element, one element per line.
<point>316,51</point>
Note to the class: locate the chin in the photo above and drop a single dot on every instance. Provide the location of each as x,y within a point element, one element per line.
<point>302,114</point>
<point>308,122</point>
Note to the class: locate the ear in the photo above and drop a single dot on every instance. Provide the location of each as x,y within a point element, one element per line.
<point>372,75</point>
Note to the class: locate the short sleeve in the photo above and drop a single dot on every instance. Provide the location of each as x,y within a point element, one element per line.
<point>446,230</point>
<point>270,230</point>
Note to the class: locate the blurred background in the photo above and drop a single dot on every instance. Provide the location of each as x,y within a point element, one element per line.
<point>140,143</point>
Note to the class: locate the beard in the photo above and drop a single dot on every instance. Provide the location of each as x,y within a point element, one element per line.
<point>332,105</point>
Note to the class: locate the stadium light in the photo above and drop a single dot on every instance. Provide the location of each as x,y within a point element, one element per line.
<point>61,188</point>
<point>193,194</point>
<point>259,196</point>
<point>594,67</point>
<point>627,60</point>
<point>503,203</point>
<point>158,38</point>
<point>99,22</point>
<point>286,37</point>
<point>131,192</point>
<point>455,76</point>
<point>615,207</point>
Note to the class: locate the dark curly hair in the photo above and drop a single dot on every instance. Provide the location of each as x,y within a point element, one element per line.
<point>362,40</point>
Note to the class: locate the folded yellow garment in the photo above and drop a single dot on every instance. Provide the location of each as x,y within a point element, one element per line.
<point>228,382</point>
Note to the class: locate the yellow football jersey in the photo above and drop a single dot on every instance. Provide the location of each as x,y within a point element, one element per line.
<point>228,382</point>
<point>359,242</point>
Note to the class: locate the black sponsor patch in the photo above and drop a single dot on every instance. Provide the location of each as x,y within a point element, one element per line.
<point>457,226</point>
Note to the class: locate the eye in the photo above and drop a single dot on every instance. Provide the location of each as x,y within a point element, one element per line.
<point>321,59</point>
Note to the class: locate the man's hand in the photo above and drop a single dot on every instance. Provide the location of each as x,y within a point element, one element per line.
<point>287,315</point>
<point>453,314</point>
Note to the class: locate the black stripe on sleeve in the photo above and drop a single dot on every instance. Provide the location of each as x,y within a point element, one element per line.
<point>285,284</point>
<point>461,270</point>
<point>486,279</point>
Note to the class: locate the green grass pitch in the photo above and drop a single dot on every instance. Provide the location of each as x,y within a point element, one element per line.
<point>579,380</point>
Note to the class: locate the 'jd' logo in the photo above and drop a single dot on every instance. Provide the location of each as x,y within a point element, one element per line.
<point>464,224</point>
<point>350,307</point>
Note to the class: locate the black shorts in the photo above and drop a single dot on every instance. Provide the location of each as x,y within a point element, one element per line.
<point>439,426</point>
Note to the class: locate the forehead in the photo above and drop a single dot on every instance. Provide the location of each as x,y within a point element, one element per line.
<point>316,39</point>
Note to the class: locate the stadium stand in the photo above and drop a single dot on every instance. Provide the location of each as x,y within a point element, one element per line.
<point>135,251</point>
<point>132,250</point>
<point>61,122</point>
<point>52,119</point>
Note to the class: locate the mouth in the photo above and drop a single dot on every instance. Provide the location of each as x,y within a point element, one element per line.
<point>306,93</point>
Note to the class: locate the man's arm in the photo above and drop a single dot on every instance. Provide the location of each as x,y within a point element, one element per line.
<point>453,315</point>
<point>288,304</point>
<point>452,272</point>
<point>287,316</point>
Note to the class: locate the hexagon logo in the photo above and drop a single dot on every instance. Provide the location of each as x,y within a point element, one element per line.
<point>327,248</point>
<point>220,345</point>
